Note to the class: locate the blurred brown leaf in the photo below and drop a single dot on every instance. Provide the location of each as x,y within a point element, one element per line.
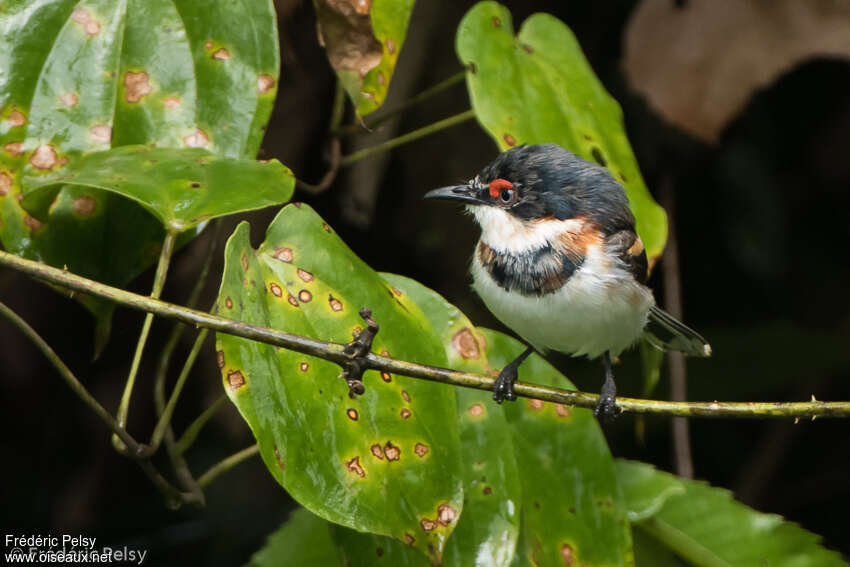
<point>699,62</point>
<point>345,31</point>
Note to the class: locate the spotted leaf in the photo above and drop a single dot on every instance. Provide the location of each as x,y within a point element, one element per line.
<point>537,87</point>
<point>386,462</point>
<point>488,530</point>
<point>362,39</point>
<point>573,511</point>
<point>180,187</point>
<point>83,76</point>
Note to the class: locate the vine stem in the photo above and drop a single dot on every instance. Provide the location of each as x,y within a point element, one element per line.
<point>158,284</point>
<point>335,352</point>
<point>406,138</point>
<point>196,426</point>
<point>227,464</point>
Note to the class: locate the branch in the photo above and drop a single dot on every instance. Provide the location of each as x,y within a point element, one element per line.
<point>227,464</point>
<point>335,352</point>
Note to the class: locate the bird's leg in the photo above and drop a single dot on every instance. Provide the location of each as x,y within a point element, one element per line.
<point>606,407</point>
<point>503,389</point>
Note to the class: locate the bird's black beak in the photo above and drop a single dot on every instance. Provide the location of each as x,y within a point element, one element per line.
<point>463,193</point>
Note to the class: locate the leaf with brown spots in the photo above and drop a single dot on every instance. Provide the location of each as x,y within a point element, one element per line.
<point>579,500</point>
<point>362,39</point>
<point>351,462</point>
<point>157,180</point>
<point>83,76</point>
<point>561,100</point>
<point>488,527</point>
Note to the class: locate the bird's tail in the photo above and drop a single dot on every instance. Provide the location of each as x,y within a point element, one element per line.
<point>665,332</point>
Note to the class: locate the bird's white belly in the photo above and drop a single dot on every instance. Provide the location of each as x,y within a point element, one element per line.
<point>600,308</point>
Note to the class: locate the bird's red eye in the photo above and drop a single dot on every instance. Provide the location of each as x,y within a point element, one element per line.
<point>499,185</point>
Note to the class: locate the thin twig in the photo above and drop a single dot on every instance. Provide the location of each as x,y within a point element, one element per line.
<point>335,352</point>
<point>158,284</point>
<point>196,426</point>
<point>388,113</point>
<point>676,360</point>
<point>227,464</point>
<point>406,138</point>
<point>334,147</point>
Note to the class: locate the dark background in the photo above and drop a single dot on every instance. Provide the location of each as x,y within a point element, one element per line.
<point>763,238</point>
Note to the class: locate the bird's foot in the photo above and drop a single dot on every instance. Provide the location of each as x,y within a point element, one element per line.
<point>503,388</point>
<point>357,350</point>
<point>606,408</point>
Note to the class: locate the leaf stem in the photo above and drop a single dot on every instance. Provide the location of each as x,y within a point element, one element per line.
<point>70,379</point>
<point>227,464</point>
<point>196,426</point>
<point>406,138</point>
<point>334,352</point>
<point>158,284</point>
<point>389,113</point>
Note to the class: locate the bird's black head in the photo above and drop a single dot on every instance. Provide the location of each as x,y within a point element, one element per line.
<point>544,181</point>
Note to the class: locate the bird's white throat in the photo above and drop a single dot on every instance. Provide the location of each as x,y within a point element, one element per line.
<point>504,232</point>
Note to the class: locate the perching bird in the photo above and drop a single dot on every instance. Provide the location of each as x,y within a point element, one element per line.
<point>560,263</point>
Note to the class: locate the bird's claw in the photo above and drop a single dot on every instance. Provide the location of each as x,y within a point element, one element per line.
<point>357,350</point>
<point>606,408</point>
<point>503,388</point>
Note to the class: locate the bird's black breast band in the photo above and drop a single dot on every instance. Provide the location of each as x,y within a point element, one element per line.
<point>537,272</point>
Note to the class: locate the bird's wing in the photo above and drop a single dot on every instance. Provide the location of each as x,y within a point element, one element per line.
<point>627,247</point>
<point>666,332</point>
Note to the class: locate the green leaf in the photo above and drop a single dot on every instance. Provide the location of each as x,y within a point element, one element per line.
<point>573,510</point>
<point>537,87</point>
<point>644,489</point>
<point>86,76</point>
<point>386,462</point>
<point>488,530</point>
<point>367,550</point>
<point>363,44</point>
<point>706,526</point>
<point>302,541</point>
<point>180,187</point>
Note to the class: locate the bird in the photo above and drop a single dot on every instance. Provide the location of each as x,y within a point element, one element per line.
<point>560,263</point>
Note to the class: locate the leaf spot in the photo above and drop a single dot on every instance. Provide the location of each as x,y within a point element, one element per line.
<point>136,86</point>
<point>292,301</point>
<point>235,379</point>
<point>32,223</point>
<point>527,48</point>
<point>476,410</point>
<point>335,303</point>
<point>377,451</point>
<point>265,83</point>
<point>409,539</point>
<point>101,134</point>
<point>390,46</point>
<point>304,275</point>
<point>208,44</point>
<point>386,376</point>
<point>221,54</point>
<point>305,296</point>
<point>44,157</point>
<point>279,459</point>
<point>219,356</point>
<point>228,303</point>
<point>303,366</point>
<point>84,18</point>
<point>568,555</point>
<point>487,491</point>
<point>497,23</point>
<point>465,344</point>
<point>562,410</point>
<point>326,227</point>
<point>5,183</point>
<point>405,395</point>
<point>14,149</point>
<point>355,467</point>
<point>427,525</point>
<point>197,139</point>
<point>84,205</point>
<point>392,452</point>
<point>598,157</point>
<point>381,79</point>
<point>171,103</point>
<point>420,449</point>
<point>16,118</point>
<point>275,289</point>
<point>379,551</point>
<point>352,414</point>
<point>283,254</point>
<point>509,140</point>
<point>405,413</point>
<point>446,514</point>
<point>536,405</point>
